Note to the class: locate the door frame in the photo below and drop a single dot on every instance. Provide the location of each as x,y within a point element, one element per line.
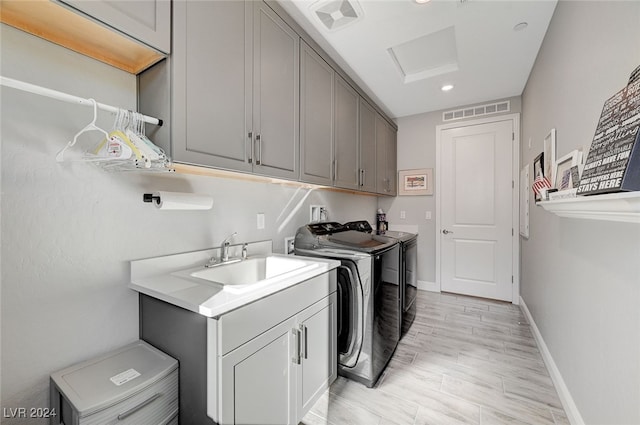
<point>515,177</point>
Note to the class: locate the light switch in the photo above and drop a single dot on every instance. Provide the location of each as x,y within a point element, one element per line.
<point>427,215</point>
<point>260,221</point>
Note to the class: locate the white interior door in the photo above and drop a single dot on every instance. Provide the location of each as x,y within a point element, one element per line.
<point>476,205</point>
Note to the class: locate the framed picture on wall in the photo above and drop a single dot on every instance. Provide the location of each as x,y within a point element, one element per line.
<point>415,182</point>
<point>564,176</point>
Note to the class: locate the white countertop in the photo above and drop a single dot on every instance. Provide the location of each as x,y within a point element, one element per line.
<point>162,278</point>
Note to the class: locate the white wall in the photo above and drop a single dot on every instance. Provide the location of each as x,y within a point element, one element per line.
<point>581,279</point>
<point>417,149</point>
<point>69,230</point>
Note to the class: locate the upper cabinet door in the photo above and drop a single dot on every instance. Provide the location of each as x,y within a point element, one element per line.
<point>316,118</point>
<point>276,79</point>
<point>386,154</point>
<point>211,66</point>
<point>347,174</point>
<point>148,21</point>
<point>392,160</point>
<point>382,152</point>
<point>367,147</point>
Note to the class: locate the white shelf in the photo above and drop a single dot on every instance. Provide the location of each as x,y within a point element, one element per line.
<point>611,207</point>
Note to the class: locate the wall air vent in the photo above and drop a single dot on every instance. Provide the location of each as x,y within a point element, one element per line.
<point>477,111</point>
<point>337,14</point>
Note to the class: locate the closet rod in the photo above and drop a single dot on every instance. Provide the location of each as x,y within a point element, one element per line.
<point>43,91</point>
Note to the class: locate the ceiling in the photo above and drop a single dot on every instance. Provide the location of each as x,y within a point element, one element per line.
<point>401,53</point>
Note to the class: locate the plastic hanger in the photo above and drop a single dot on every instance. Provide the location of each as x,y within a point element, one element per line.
<point>89,127</point>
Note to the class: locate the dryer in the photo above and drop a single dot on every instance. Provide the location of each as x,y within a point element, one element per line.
<point>408,269</point>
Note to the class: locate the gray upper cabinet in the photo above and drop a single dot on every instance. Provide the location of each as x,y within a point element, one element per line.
<point>247,94</point>
<point>392,161</point>
<point>386,167</point>
<point>276,74</point>
<point>316,118</point>
<point>367,138</point>
<point>347,174</point>
<point>329,151</point>
<point>148,21</point>
<point>235,88</point>
<point>211,84</point>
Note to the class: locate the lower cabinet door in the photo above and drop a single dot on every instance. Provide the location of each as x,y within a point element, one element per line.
<point>319,351</point>
<point>258,379</point>
<point>275,378</point>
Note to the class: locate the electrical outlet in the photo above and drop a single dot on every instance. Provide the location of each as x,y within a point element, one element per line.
<point>260,221</point>
<point>288,245</point>
<point>318,213</point>
<point>403,214</point>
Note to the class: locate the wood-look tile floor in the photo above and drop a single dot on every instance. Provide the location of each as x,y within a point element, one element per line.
<point>464,361</point>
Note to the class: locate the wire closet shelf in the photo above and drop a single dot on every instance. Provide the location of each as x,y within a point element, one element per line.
<point>124,148</point>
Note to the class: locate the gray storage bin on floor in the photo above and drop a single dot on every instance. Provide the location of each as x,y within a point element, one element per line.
<point>136,384</point>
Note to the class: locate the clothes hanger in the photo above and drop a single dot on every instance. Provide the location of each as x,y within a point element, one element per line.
<point>89,127</point>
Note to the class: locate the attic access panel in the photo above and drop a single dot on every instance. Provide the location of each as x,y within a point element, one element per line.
<point>427,56</point>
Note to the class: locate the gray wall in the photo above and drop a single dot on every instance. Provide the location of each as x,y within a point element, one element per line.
<point>417,149</point>
<point>69,230</point>
<point>581,278</point>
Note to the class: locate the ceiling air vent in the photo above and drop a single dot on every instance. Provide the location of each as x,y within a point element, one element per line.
<point>477,111</point>
<point>337,14</point>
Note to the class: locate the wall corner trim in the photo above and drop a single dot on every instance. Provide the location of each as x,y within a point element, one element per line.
<point>423,285</point>
<point>570,408</point>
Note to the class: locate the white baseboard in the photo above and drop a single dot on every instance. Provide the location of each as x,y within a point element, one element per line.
<point>570,408</point>
<point>428,286</point>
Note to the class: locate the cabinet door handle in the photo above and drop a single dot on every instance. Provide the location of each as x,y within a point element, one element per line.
<point>259,155</point>
<point>296,350</point>
<point>363,172</point>
<point>250,136</point>
<point>125,415</point>
<point>335,169</point>
<point>303,343</point>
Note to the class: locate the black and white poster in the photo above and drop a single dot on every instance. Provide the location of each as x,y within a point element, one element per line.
<point>613,163</point>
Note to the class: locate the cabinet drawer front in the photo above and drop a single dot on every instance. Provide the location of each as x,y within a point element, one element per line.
<point>157,404</point>
<point>272,310</point>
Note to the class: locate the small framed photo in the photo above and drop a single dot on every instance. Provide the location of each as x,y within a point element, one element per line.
<point>564,176</point>
<point>415,182</point>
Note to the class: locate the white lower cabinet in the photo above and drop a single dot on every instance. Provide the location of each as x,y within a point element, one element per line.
<point>278,376</point>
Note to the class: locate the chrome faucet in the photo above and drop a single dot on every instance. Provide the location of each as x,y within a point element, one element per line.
<point>224,253</point>
<point>224,248</point>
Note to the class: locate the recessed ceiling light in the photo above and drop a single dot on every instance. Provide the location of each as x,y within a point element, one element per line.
<point>520,26</point>
<point>447,87</point>
<point>422,1</point>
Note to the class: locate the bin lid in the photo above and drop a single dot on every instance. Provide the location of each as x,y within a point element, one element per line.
<point>104,381</point>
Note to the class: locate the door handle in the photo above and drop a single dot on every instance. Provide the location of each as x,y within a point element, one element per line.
<point>446,232</point>
<point>296,346</point>
<point>259,154</point>
<point>303,343</point>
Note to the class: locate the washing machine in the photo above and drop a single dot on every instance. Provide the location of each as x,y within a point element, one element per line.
<point>368,295</point>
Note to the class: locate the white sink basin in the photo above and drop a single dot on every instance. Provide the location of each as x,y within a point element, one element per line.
<point>253,272</point>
